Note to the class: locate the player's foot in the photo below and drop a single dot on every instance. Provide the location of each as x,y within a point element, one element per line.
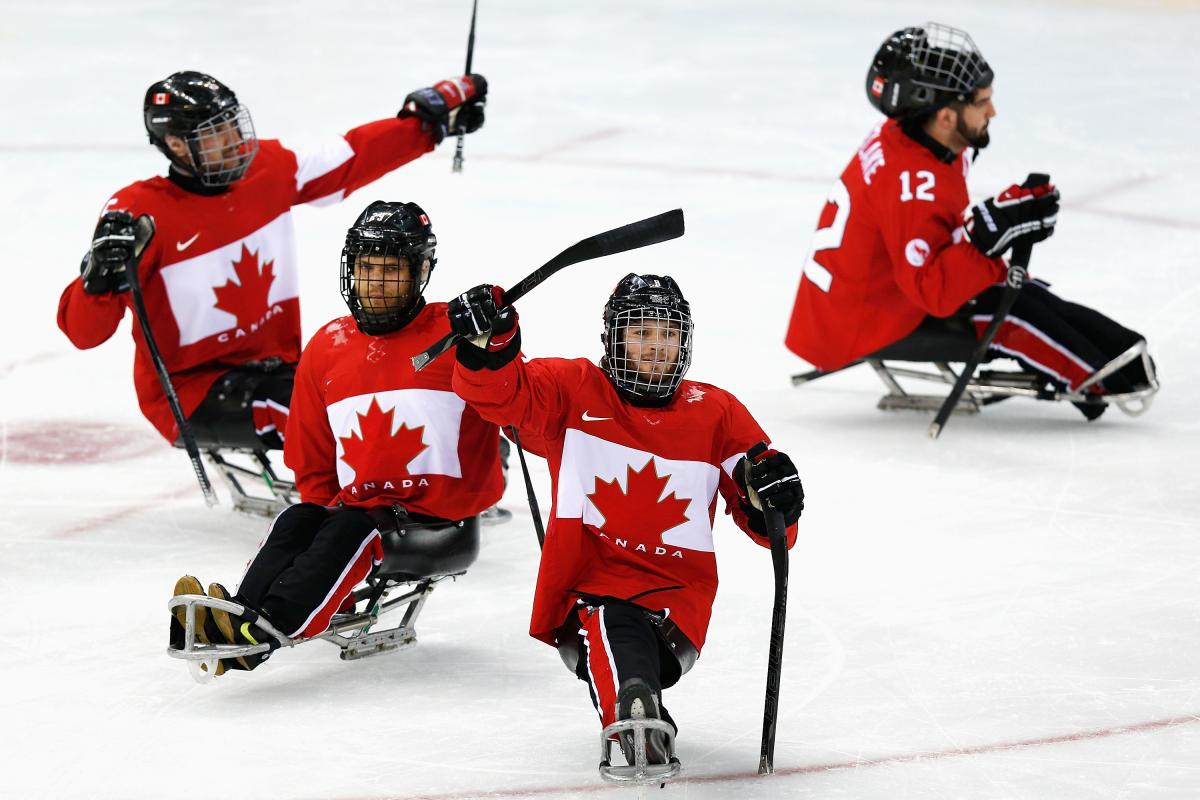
<point>235,629</point>
<point>636,700</point>
<point>205,628</point>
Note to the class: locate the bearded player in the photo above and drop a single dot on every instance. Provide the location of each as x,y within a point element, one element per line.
<point>899,241</point>
<point>374,445</point>
<point>637,457</point>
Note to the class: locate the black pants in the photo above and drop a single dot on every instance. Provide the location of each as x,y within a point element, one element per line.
<point>309,563</point>
<point>247,407</point>
<point>614,642</point>
<point>1063,341</point>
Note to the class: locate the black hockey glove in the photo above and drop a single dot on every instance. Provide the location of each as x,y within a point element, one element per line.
<point>491,336</point>
<point>1028,211</point>
<point>105,266</point>
<point>450,107</point>
<point>768,476</point>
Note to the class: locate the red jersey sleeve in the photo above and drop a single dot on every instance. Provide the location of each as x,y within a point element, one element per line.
<point>88,320</point>
<point>932,264</point>
<point>741,432</point>
<point>308,446</point>
<point>330,172</point>
<point>532,395</point>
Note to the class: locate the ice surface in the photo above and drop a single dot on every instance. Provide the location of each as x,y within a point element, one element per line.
<point>1010,612</point>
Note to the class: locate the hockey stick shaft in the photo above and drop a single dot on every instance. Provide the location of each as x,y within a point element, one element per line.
<point>652,230</point>
<point>458,147</point>
<point>164,378</point>
<point>777,533</point>
<point>533,503</point>
<point>1017,269</point>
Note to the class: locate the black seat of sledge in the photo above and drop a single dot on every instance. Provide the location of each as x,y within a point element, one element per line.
<point>935,339</point>
<point>425,548</point>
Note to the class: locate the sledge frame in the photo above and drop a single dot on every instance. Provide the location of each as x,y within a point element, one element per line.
<point>639,773</point>
<point>351,631</point>
<point>282,493</point>
<point>992,386</point>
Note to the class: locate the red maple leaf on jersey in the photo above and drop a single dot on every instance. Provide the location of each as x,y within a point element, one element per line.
<point>638,513</point>
<point>248,298</point>
<point>376,425</point>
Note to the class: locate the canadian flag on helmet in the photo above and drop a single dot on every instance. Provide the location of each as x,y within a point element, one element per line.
<point>424,220</point>
<point>161,98</point>
<point>877,86</point>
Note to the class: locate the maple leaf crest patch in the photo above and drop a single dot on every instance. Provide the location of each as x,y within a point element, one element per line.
<point>248,298</point>
<point>376,426</point>
<point>639,513</point>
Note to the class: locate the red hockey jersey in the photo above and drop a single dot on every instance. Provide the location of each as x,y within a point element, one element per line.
<point>220,277</point>
<point>890,248</point>
<point>635,489</point>
<point>365,429</point>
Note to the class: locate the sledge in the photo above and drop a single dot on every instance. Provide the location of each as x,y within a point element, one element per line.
<point>938,343</point>
<point>418,555</point>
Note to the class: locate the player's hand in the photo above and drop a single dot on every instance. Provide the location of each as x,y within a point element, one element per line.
<point>105,267</point>
<point>450,107</point>
<point>1028,212</point>
<point>489,329</point>
<point>769,478</point>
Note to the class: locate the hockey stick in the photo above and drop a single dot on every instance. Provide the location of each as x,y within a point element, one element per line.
<point>1017,269</point>
<point>458,148</point>
<point>145,232</point>
<point>660,228</point>
<point>777,533</point>
<point>533,503</point>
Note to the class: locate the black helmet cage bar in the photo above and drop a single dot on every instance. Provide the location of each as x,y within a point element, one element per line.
<point>947,59</point>
<point>625,371</point>
<point>399,308</point>
<point>210,150</point>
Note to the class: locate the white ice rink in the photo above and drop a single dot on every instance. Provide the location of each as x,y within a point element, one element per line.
<point>1010,612</point>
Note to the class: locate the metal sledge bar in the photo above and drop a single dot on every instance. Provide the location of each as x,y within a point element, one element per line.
<point>808,377</point>
<point>995,386</point>
<point>359,643</point>
<point>640,772</point>
<point>365,643</point>
<point>283,492</point>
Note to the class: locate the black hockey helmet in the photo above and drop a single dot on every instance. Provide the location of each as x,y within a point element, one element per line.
<point>206,115</point>
<point>393,292</point>
<point>652,309</point>
<point>919,70</point>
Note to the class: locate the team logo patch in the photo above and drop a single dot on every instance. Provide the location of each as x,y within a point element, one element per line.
<point>917,251</point>
<point>877,87</point>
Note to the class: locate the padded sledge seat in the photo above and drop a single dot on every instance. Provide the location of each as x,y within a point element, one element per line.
<point>424,549</point>
<point>950,339</point>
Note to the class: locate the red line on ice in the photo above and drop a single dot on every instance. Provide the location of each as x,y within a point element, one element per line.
<point>92,523</point>
<point>36,358</point>
<point>982,749</point>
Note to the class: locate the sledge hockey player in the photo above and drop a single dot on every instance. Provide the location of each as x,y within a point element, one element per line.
<point>219,275</point>
<point>898,242</point>
<point>375,446</point>
<point>637,456</point>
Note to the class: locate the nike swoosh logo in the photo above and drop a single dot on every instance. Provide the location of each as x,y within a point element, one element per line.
<point>181,246</point>
<point>589,418</point>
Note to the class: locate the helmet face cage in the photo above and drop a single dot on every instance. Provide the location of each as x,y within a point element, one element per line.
<point>388,297</point>
<point>946,59</point>
<point>648,348</point>
<point>223,146</point>
<point>918,70</point>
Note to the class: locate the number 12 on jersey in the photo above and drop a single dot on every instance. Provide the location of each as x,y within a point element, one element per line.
<point>829,237</point>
